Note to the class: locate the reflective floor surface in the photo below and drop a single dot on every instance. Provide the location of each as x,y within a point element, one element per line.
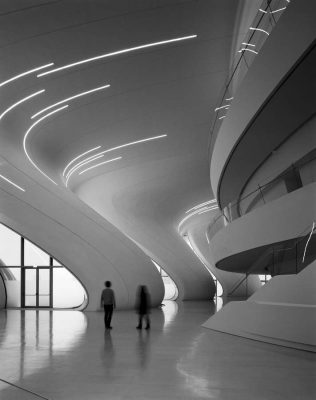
<point>68,355</point>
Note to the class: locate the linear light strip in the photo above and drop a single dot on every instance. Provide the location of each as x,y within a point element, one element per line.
<point>263,11</point>
<point>280,9</point>
<point>209,209</point>
<point>201,205</point>
<point>76,158</point>
<point>76,166</point>
<point>128,50</point>
<point>97,165</point>
<point>248,44</point>
<point>92,159</point>
<point>230,98</point>
<point>19,102</point>
<point>245,49</point>
<point>219,108</point>
<point>222,117</point>
<point>12,183</point>
<point>25,73</point>
<point>28,132</point>
<point>313,227</point>
<point>70,98</point>
<point>260,30</point>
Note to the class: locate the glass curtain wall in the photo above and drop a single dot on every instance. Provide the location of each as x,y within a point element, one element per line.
<point>33,278</point>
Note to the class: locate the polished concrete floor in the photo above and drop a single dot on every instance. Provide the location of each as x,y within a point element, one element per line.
<point>68,355</point>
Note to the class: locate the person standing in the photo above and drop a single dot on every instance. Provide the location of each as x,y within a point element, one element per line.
<point>143,307</point>
<point>108,303</point>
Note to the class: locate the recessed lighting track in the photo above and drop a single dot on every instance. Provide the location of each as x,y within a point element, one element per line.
<point>70,98</point>
<point>12,183</point>
<point>260,30</point>
<point>115,53</point>
<point>25,73</point>
<point>77,158</point>
<point>97,165</point>
<point>20,102</point>
<point>78,165</point>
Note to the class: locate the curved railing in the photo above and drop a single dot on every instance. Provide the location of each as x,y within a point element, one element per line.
<point>286,259</point>
<point>265,20</point>
<point>259,196</point>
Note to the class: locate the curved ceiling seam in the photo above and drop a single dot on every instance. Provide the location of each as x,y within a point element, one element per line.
<point>93,21</point>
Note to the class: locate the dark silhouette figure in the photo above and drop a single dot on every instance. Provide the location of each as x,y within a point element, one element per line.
<point>108,302</point>
<point>143,307</point>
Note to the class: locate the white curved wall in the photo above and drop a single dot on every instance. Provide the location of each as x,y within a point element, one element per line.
<point>132,202</point>
<point>92,249</point>
<point>281,219</point>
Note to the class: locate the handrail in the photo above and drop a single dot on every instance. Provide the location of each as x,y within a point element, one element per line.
<point>263,24</point>
<point>260,190</point>
<point>271,252</point>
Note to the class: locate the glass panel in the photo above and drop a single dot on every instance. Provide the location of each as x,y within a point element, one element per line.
<point>34,255</point>
<point>43,301</point>
<point>56,263</point>
<point>30,287</point>
<point>10,247</point>
<point>43,283</point>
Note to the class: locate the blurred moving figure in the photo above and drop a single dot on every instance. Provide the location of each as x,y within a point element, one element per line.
<point>143,306</point>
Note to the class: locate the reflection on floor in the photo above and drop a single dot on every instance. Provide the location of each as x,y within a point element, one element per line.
<point>68,355</point>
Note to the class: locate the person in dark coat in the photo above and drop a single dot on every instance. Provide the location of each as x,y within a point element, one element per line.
<point>108,302</point>
<point>143,307</point>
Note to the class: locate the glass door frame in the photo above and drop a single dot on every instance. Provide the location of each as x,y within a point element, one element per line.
<point>37,294</point>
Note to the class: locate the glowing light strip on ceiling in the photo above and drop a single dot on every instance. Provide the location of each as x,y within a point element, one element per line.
<point>12,183</point>
<point>313,227</point>
<point>231,98</point>
<point>19,102</point>
<point>92,158</point>
<point>97,165</point>
<point>260,30</point>
<point>248,44</point>
<point>70,98</point>
<point>25,73</point>
<point>76,158</point>
<point>201,205</point>
<point>219,108</point>
<point>245,49</point>
<point>280,9</point>
<point>76,166</point>
<point>222,117</point>
<point>28,132</point>
<point>209,209</point>
<point>115,53</point>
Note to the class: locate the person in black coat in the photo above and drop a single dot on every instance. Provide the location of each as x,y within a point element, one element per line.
<point>143,307</point>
